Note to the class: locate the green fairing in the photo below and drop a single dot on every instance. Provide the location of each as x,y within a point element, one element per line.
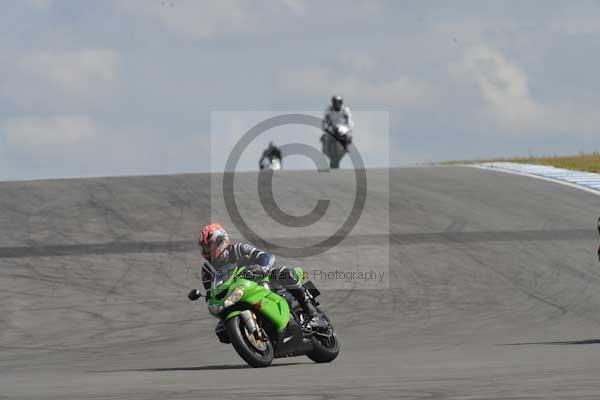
<point>272,306</point>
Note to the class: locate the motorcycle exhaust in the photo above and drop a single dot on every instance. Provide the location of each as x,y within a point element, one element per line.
<point>249,321</point>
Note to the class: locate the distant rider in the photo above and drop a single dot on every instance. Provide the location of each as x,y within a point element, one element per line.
<point>335,115</point>
<point>272,152</point>
<point>222,255</point>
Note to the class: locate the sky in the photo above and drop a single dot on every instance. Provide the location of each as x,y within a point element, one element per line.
<point>99,88</point>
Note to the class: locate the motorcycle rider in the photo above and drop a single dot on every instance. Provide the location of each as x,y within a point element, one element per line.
<point>270,153</point>
<point>221,254</point>
<point>335,115</point>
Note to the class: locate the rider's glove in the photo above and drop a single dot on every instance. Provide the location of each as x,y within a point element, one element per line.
<point>194,294</point>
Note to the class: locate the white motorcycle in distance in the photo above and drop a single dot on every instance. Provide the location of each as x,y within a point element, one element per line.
<point>273,164</point>
<point>335,144</point>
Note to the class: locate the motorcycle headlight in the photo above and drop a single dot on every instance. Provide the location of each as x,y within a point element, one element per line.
<point>215,309</point>
<point>234,297</point>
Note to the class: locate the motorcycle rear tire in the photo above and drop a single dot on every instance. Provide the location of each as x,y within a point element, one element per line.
<point>325,352</point>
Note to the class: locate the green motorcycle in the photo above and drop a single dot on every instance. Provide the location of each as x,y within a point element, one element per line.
<point>262,324</point>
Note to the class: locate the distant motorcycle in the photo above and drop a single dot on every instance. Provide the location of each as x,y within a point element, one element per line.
<point>262,324</point>
<point>335,143</point>
<point>271,158</point>
<point>268,163</point>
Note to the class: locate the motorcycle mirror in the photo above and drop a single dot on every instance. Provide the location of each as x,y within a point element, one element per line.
<point>195,294</point>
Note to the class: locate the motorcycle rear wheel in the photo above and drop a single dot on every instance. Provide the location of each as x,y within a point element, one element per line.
<point>325,349</point>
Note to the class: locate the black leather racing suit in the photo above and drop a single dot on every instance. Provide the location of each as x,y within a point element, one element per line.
<point>243,254</point>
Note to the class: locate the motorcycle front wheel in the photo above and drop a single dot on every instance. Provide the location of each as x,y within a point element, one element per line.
<point>256,350</point>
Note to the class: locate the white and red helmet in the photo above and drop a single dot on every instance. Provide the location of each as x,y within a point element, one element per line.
<point>214,242</point>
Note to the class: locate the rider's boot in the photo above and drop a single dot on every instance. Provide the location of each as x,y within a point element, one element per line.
<point>315,322</point>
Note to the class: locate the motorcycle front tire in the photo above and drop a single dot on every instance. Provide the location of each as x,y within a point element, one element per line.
<point>254,357</point>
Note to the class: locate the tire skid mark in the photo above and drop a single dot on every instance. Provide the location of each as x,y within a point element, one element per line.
<point>527,291</point>
<point>175,246</point>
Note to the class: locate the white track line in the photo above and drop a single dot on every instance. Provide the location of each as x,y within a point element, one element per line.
<point>586,181</point>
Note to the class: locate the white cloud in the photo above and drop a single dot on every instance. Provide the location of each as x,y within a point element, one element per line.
<point>73,71</point>
<point>29,133</point>
<point>505,90</point>
<point>577,26</point>
<point>298,7</point>
<point>39,4</point>
<point>576,18</point>
<point>358,62</point>
<point>504,87</point>
<point>197,19</point>
<point>322,82</point>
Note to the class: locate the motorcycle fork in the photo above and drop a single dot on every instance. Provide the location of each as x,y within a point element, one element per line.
<point>251,323</point>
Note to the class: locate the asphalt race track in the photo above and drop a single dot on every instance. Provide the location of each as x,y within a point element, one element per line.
<point>494,292</point>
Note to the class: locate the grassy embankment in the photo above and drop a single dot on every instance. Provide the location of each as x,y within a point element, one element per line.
<point>580,162</point>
